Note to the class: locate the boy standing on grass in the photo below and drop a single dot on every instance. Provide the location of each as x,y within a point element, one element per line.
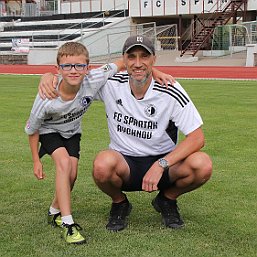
<point>56,124</point>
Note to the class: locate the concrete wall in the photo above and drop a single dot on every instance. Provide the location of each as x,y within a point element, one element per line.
<point>42,56</point>
<point>142,8</point>
<point>251,58</point>
<point>81,6</point>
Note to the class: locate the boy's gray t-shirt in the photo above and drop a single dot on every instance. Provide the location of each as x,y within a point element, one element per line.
<point>64,117</point>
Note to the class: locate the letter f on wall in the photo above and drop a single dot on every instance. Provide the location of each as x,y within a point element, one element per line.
<point>145,4</point>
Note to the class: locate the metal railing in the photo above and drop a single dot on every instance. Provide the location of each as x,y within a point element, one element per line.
<point>164,37</point>
<point>88,24</point>
<point>76,30</point>
<point>205,22</point>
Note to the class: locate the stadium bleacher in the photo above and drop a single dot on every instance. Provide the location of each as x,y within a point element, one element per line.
<point>49,31</point>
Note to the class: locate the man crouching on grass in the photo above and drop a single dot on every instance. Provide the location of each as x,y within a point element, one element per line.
<point>144,154</point>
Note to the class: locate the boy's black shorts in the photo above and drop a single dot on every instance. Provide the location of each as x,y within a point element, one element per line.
<point>138,167</point>
<point>51,142</point>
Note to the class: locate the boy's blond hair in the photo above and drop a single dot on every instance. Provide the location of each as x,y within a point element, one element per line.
<point>72,49</point>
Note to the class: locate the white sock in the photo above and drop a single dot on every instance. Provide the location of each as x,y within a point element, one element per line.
<point>67,219</point>
<point>53,210</point>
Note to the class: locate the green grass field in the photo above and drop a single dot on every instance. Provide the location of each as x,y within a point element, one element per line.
<point>220,217</point>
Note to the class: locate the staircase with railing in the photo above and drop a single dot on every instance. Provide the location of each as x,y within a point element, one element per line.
<point>203,28</point>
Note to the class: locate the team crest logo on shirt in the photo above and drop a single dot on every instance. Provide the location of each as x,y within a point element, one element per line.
<point>86,101</point>
<point>107,67</point>
<point>150,110</point>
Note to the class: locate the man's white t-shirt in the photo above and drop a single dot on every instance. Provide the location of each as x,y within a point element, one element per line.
<point>148,126</point>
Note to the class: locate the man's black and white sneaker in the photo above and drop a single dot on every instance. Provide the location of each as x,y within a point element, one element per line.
<point>169,211</point>
<point>118,215</point>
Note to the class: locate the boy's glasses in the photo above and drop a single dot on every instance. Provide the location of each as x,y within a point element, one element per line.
<point>76,66</point>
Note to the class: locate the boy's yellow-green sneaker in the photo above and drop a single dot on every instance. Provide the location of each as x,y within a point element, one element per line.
<point>54,219</point>
<point>71,234</point>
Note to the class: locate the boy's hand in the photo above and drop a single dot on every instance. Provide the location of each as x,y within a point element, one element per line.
<point>38,170</point>
<point>163,78</point>
<point>47,86</point>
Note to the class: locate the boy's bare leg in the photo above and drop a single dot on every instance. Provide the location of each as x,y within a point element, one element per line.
<point>73,177</point>
<point>63,165</point>
<point>55,203</point>
<point>74,171</point>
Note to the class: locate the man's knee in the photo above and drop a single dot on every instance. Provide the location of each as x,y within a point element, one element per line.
<point>202,164</point>
<point>102,167</point>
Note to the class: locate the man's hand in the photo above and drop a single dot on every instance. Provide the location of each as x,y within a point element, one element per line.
<point>152,178</point>
<point>38,170</point>
<point>47,86</point>
<point>163,78</point>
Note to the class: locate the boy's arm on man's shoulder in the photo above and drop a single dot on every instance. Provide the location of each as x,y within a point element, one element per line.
<point>163,78</point>
<point>48,81</point>
<point>109,67</point>
<point>107,70</point>
<point>120,64</point>
<point>98,77</point>
<point>113,68</point>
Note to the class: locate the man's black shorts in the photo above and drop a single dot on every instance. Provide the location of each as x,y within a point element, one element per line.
<point>138,167</point>
<point>50,142</point>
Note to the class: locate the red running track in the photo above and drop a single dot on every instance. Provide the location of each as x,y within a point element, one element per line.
<point>215,72</point>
